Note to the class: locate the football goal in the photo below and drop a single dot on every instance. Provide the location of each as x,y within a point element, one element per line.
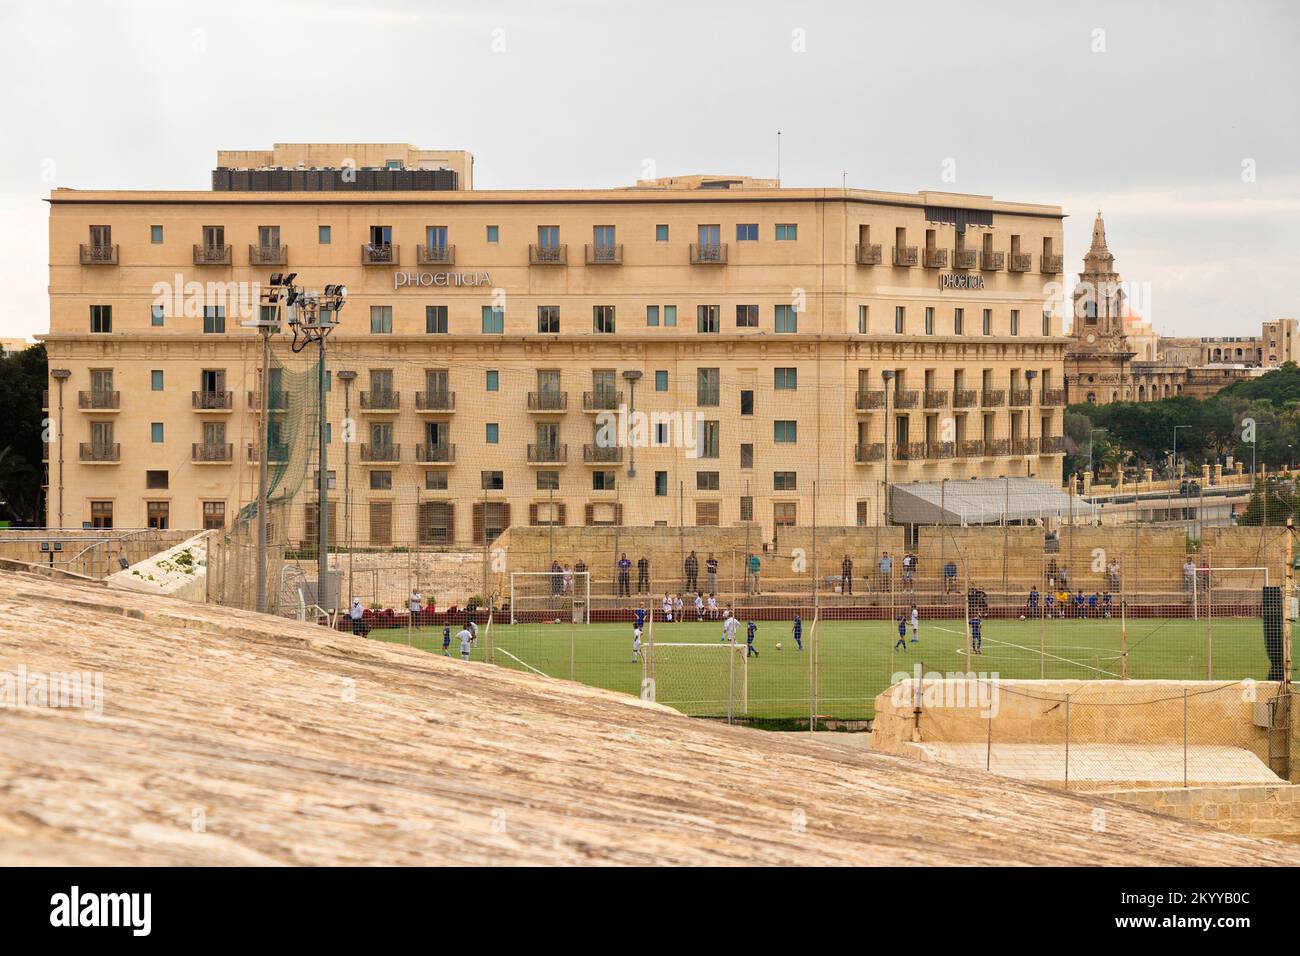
<point>541,597</point>
<point>700,680</point>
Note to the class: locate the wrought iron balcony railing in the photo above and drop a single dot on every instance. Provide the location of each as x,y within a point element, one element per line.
<point>278,399</point>
<point>1022,396</point>
<point>101,451</point>
<point>212,255</point>
<point>1020,262</point>
<point>874,451</point>
<point>602,454</point>
<point>386,400</point>
<point>1053,396</point>
<point>439,401</point>
<point>548,453</point>
<point>1051,265</point>
<point>965,258</point>
<point>600,254</point>
<point>601,401</point>
<point>906,399</point>
<point>992,261</point>
<point>994,397</point>
<point>548,401</point>
<point>212,452</point>
<point>99,400</point>
<point>381,453</point>
<point>964,397</point>
<point>936,398</point>
<point>204,400</point>
<point>709,254</point>
<point>905,256</point>
<point>443,255</point>
<point>935,258</point>
<point>380,254</point>
<point>539,255</point>
<point>440,453</point>
<point>259,255</point>
<point>868,400</point>
<point>99,255</point>
<point>868,254</point>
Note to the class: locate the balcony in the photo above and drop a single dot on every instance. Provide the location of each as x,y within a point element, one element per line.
<point>965,258</point>
<point>550,453</point>
<point>212,255</point>
<point>276,451</point>
<point>385,400</point>
<point>709,254</point>
<point>1024,446</point>
<point>383,453</point>
<point>964,398</point>
<point>997,448</point>
<point>548,401</point>
<point>864,454</point>
<point>381,254</point>
<point>101,453</point>
<point>278,399</point>
<point>601,401</point>
<point>99,401</point>
<point>906,399</point>
<point>99,255</point>
<point>867,254</point>
<point>994,397</point>
<point>268,255</point>
<point>1051,265</point>
<point>539,255</point>
<point>443,255</point>
<point>936,398</point>
<point>212,453</point>
<point>1052,397</point>
<point>1021,397</point>
<point>1052,445</point>
<point>604,255</point>
<point>602,454</point>
<point>866,400</point>
<point>940,450</point>
<point>442,453</point>
<point>992,261</point>
<point>910,451</point>
<point>440,401</point>
<point>935,259</point>
<point>970,448</point>
<point>1020,262</point>
<point>905,256</point>
<point>211,401</point>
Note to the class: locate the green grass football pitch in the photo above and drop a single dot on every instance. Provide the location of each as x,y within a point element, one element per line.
<point>856,660</point>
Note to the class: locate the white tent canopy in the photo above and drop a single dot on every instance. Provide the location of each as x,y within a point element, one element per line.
<point>982,501</point>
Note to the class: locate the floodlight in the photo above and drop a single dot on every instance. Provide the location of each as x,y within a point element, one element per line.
<point>276,278</point>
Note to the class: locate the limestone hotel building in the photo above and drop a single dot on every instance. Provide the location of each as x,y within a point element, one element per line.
<point>810,338</point>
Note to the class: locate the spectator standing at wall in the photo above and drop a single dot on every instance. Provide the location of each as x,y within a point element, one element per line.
<point>642,575</point>
<point>692,568</point>
<point>846,575</point>
<point>624,576</point>
<point>711,569</point>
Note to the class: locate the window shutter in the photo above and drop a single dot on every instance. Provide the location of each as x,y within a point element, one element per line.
<point>559,518</point>
<point>862,512</point>
<point>618,514</point>
<point>478,522</point>
<point>589,511</point>
<point>532,514</point>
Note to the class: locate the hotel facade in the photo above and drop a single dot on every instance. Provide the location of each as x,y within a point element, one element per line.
<point>815,346</point>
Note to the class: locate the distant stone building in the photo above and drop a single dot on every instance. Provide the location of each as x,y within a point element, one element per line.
<point>1116,356</point>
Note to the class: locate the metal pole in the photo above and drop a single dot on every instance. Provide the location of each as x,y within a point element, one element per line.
<point>263,453</point>
<point>322,515</point>
<point>60,375</point>
<point>888,376</point>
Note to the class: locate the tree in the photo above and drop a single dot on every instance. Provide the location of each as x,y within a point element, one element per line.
<point>23,378</point>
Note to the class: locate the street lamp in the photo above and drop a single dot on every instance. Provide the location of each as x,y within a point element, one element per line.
<point>631,376</point>
<point>347,377</point>
<point>1175,470</point>
<point>888,376</point>
<point>60,375</point>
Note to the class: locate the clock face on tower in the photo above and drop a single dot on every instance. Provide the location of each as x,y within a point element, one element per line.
<point>1092,337</point>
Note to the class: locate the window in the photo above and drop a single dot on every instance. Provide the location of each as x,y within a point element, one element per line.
<point>747,455</point>
<point>493,233</point>
<point>381,320</point>
<point>785,480</point>
<point>709,439</point>
<point>783,514</point>
<point>707,319</point>
<point>548,319</point>
<point>381,481</point>
<point>158,513</point>
<point>101,514</point>
<point>435,319</point>
<point>156,316</point>
<point>746,508</point>
<point>101,318</point>
<point>986,322</point>
<point>493,380</point>
<point>435,237</point>
<point>604,480</point>
<point>548,237</point>
<point>652,315</point>
<point>381,523</point>
<point>156,235</point>
<point>786,232</point>
<point>548,481</point>
<point>602,318</point>
<point>670,315</point>
<point>958,321</point>
<point>785,379</point>
<point>435,480</point>
<point>706,514</point>
<point>156,480</point>
<point>214,515</point>
<point>863,317</point>
<point>746,401</point>
<point>706,481</point>
<point>747,232</point>
<point>1015,321</point>
<point>494,320</point>
<point>156,432</point>
<point>156,380</point>
<point>1047,322</point>
<point>661,380</point>
<point>785,432</point>
<point>493,433</point>
<point>323,235</point>
<point>661,233</point>
<point>214,319</point>
<point>787,319</point>
<point>707,386</point>
<point>746,316</point>
<point>661,478</point>
<point>900,319</point>
<point>929,320</point>
<point>492,480</point>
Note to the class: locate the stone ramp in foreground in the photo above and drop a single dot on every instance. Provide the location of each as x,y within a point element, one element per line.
<point>230,738</point>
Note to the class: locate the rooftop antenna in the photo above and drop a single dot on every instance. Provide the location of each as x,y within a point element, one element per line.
<point>778,157</point>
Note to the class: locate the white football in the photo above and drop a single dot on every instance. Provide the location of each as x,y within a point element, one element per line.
<point>778,646</point>
<point>1022,617</point>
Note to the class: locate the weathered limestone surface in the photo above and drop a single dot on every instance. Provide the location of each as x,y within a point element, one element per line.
<point>231,738</point>
<point>181,571</point>
<point>1263,811</point>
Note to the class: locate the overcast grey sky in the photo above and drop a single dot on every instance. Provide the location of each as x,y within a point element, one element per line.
<point>1157,113</point>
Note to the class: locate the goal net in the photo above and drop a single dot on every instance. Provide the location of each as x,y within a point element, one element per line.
<point>543,597</point>
<point>700,680</point>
